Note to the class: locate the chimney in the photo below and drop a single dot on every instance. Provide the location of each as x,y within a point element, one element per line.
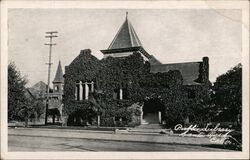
<point>205,69</point>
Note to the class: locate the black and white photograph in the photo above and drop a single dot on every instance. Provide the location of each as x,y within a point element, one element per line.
<point>125,78</point>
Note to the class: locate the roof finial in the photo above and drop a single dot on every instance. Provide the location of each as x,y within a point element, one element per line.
<point>126,14</point>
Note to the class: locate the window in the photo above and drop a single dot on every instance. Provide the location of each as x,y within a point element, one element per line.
<point>56,88</point>
<point>116,94</point>
<point>125,93</point>
<point>120,93</point>
<point>77,94</point>
<point>90,87</point>
<point>55,98</point>
<point>83,89</point>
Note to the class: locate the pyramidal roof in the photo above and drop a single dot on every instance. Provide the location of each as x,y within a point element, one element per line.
<point>59,74</point>
<point>126,37</point>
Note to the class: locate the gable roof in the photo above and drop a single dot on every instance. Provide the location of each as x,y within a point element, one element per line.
<point>84,67</point>
<point>41,86</point>
<point>190,71</point>
<point>126,37</point>
<point>59,74</point>
<point>84,58</point>
<point>39,89</point>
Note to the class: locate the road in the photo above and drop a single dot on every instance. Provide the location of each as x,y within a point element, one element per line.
<point>39,143</point>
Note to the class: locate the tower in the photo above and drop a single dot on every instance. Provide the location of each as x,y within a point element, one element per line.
<point>58,82</point>
<point>126,42</point>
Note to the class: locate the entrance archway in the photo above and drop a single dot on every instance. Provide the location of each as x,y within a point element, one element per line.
<point>152,111</point>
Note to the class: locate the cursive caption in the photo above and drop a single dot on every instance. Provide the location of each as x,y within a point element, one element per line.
<point>216,134</point>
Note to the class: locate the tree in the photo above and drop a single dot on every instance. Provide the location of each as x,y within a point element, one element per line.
<point>228,95</point>
<point>16,92</point>
<point>38,108</point>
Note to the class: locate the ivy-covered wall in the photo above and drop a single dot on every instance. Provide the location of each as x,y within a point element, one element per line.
<point>133,75</point>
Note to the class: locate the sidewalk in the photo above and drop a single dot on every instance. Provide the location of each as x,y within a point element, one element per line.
<point>108,135</point>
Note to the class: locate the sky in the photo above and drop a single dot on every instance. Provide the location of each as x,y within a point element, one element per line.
<point>171,35</point>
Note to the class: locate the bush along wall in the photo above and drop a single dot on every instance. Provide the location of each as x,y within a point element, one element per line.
<point>132,75</point>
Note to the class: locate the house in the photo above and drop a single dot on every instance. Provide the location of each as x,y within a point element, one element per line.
<point>39,92</point>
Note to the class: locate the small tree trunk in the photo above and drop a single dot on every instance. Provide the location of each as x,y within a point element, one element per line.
<point>98,121</point>
<point>26,122</point>
<point>36,117</point>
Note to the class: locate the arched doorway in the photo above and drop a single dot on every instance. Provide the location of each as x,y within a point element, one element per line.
<point>152,111</point>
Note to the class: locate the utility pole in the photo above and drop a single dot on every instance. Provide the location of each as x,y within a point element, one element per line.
<point>49,35</point>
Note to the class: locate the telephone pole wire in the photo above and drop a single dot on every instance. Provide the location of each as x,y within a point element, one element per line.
<point>49,35</point>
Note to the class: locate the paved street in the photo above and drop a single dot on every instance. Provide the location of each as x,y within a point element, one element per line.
<point>22,140</point>
<point>28,143</point>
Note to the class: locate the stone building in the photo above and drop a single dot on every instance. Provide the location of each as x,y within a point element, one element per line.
<point>86,76</point>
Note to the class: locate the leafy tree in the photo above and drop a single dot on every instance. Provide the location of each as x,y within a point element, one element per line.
<point>25,112</point>
<point>228,95</point>
<point>16,93</point>
<point>38,108</point>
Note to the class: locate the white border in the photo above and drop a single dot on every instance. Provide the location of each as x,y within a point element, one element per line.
<point>244,5</point>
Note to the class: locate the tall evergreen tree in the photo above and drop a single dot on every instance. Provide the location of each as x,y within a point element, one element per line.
<point>16,92</point>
